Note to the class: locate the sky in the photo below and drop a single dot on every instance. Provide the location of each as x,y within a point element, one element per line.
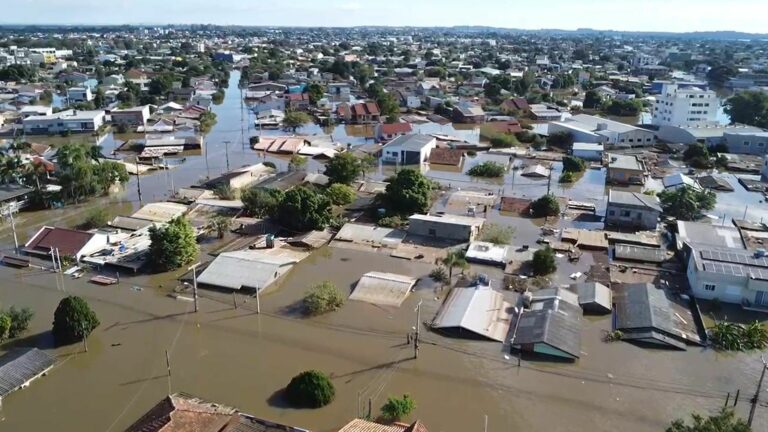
<point>626,15</point>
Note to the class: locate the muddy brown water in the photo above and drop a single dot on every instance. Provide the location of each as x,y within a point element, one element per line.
<point>243,359</point>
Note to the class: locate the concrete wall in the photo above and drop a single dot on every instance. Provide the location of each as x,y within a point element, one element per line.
<point>728,289</point>
<point>443,230</point>
<point>746,144</point>
<point>628,216</point>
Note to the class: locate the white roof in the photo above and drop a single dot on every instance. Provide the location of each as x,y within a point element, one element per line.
<point>487,252</point>
<point>679,179</point>
<point>387,289</point>
<point>479,310</point>
<point>449,219</point>
<point>160,211</point>
<point>588,146</point>
<point>246,269</point>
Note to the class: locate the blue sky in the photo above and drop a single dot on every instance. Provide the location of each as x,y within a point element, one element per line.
<point>651,15</point>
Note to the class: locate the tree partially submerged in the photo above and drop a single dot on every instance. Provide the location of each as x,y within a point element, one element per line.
<point>545,206</point>
<point>303,209</point>
<point>343,168</point>
<point>172,246</point>
<point>407,193</point>
<point>686,203</point>
<point>310,389</point>
<point>488,170</point>
<point>73,320</point>
<point>497,234</point>
<point>543,262</point>
<point>340,194</point>
<point>323,298</point>
<point>724,421</point>
<point>396,409</point>
<point>261,202</point>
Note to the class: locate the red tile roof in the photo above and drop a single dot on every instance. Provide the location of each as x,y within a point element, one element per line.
<point>509,126</point>
<point>296,97</point>
<point>395,128</point>
<point>445,156</point>
<point>68,241</point>
<point>368,108</point>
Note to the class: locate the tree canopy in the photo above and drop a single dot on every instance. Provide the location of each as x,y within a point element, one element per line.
<point>310,389</point>
<point>396,409</point>
<point>343,168</point>
<point>340,194</point>
<point>323,298</point>
<point>173,245</point>
<point>686,203</point>
<point>724,421</point>
<point>487,169</point>
<point>261,202</point>
<point>295,119</point>
<point>73,320</point>
<point>407,193</point>
<point>546,205</point>
<point>543,262</point>
<point>748,107</point>
<point>303,209</point>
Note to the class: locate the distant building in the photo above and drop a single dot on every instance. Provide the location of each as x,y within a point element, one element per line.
<point>687,106</point>
<point>593,129</point>
<point>297,101</point>
<point>551,327</point>
<point>64,121</point>
<point>632,209</point>
<point>477,312</point>
<point>68,242</point>
<point>409,149</point>
<point>79,94</point>
<point>359,113</point>
<point>389,131</point>
<point>136,116</point>
<point>446,227</point>
<point>588,151</point>
<point>625,169</point>
<point>466,112</point>
<point>755,143</point>
<point>35,110</point>
<point>20,366</point>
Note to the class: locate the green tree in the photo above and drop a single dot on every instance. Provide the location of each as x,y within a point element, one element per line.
<point>543,262</point>
<point>686,203</point>
<point>545,206</point>
<point>573,164</point>
<point>261,202</point>
<point>439,275</point>
<point>322,298</point>
<point>408,193</point>
<point>5,327</point>
<point>225,191</point>
<point>220,225</point>
<point>343,168</point>
<point>748,107</point>
<point>173,245</point>
<point>396,409</point>
<point>297,163</point>
<point>303,209</point>
<point>97,217</point>
<point>316,92</point>
<point>310,389</point>
<point>566,177</point>
<point>99,100</point>
<point>20,318</point>
<point>720,74</point>
<point>455,258</point>
<point>161,84</point>
<point>73,320</point>
<point>207,121</point>
<point>340,194</point>
<point>497,234</point>
<point>724,421</point>
<point>295,119</point>
<point>592,100</point>
<point>487,169</point>
<point>563,140</point>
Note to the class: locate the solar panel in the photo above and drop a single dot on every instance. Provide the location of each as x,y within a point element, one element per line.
<point>732,257</point>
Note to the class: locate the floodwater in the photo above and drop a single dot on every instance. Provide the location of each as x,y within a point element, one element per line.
<point>243,359</point>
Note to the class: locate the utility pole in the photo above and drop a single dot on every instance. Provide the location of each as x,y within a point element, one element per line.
<point>58,258</point>
<point>53,259</point>
<point>258,301</point>
<point>85,337</point>
<point>418,325</point>
<point>138,181</point>
<point>9,211</point>
<point>194,283</point>
<point>756,398</point>
<point>168,366</point>
<point>549,180</point>
<point>745,212</point>
<point>226,152</point>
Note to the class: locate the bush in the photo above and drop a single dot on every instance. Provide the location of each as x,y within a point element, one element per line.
<point>487,169</point>
<point>392,222</point>
<point>5,327</point>
<point>340,194</point>
<point>262,202</point>
<point>395,408</point>
<point>471,153</point>
<point>497,234</point>
<point>545,206</point>
<point>225,192</point>
<point>543,262</point>
<point>504,141</point>
<point>573,164</point>
<point>96,218</point>
<point>20,319</point>
<point>73,320</point>
<point>567,177</point>
<point>323,298</point>
<point>310,389</point>
<point>270,164</point>
<point>439,274</point>
<point>728,336</point>
<point>526,137</point>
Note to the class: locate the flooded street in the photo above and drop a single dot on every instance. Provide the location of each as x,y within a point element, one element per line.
<point>243,359</point>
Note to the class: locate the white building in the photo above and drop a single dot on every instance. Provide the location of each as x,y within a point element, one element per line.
<point>410,149</point>
<point>588,151</point>
<point>592,129</point>
<point>687,106</point>
<point>79,94</point>
<point>64,121</point>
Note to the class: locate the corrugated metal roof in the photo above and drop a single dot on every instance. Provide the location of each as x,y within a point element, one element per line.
<point>594,294</point>
<point>633,199</point>
<point>386,289</point>
<point>557,324</point>
<point>246,269</point>
<point>639,253</point>
<point>642,307</point>
<point>479,310</point>
<point>19,366</point>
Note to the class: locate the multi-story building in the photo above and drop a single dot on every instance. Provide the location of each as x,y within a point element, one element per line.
<point>685,106</point>
<point>79,94</point>
<point>65,121</point>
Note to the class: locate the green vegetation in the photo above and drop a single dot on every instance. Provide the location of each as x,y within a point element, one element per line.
<point>487,169</point>
<point>82,174</point>
<point>323,298</point>
<point>686,203</point>
<point>407,193</point>
<point>342,168</point>
<point>748,107</point>
<point>310,389</point>
<point>340,194</point>
<point>729,336</point>
<point>16,72</point>
<point>173,245</point>
<point>497,234</point>
<point>225,192</point>
<point>303,209</point>
<point>439,275</point>
<point>396,409</point>
<point>261,202</point>
<point>73,320</point>
<point>455,258</point>
<point>316,92</point>
<point>563,140</point>
<point>623,108</point>
<point>220,225</point>
<point>218,97</point>
<point>19,318</point>
<point>97,217</point>
<point>297,163</point>
<point>573,164</point>
<point>296,119</point>
<point>5,327</point>
<point>543,262</point>
<point>392,222</point>
<point>567,177</point>
<point>724,421</point>
<point>697,156</point>
<point>592,100</point>
<point>207,121</point>
<point>545,206</point>
<point>504,141</point>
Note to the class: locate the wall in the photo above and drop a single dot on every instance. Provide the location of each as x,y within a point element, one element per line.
<point>645,219</point>
<point>442,230</point>
<point>725,286</point>
<point>746,144</point>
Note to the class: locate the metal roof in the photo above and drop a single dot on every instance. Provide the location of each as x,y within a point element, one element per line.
<point>479,310</point>
<point>487,252</point>
<point>594,294</point>
<point>370,234</point>
<point>641,307</point>
<point>386,289</point>
<point>639,253</point>
<point>557,324</point>
<point>633,199</point>
<point>704,234</point>
<point>19,366</point>
<point>413,142</point>
<point>10,191</point>
<point>246,269</point>
<point>449,219</point>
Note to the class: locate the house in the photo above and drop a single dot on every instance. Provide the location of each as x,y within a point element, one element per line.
<point>114,80</point>
<point>384,289</point>
<point>429,88</point>
<point>537,170</point>
<point>409,149</point>
<point>632,209</point>
<point>677,180</point>
<point>79,94</point>
<point>545,113</point>
<point>588,151</point>
<point>35,110</point>
<point>20,366</point>
<point>511,126</point>
<point>136,116</point>
<point>360,425</point>
<point>625,169</point>
<point>183,94</point>
<point>516,104</point>
<point>266,101</point>
<point>285,145</point>
<point>268,87</point>
<point>14,196</point>
<point>594,129</point>
<point>339,92</point>
<point>594,297</point>
<point>68,242</point>
<point>446,156</point>
<point>185,413</point>
<point>297,101</point>
<point>359,113</point>
<point>252,270</point>
<point>551,328</point>
<point>729,274</point>
<point>446,227</point>
<point>467,112</point>
<point>487,253</point>
<point>389,131</point>
<point>241,177</point>
<point>64,121</point>
<point>644,314</point>
<point>477,312</point>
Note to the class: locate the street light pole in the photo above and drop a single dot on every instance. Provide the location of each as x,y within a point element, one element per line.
<point>226,151</point>
<point>418,325</point>
<point>194,283</point>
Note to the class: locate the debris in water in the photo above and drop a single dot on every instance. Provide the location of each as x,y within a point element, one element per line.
<point>506,356</point>
<point>610,376</point>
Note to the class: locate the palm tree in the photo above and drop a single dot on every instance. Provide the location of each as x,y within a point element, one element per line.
<point>455,258</point>
<point>220,224</point>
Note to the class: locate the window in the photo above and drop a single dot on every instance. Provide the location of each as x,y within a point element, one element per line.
<point>613,212</point>
<point>432,232</point>
<point>626,213</point>
<point>709,287</point>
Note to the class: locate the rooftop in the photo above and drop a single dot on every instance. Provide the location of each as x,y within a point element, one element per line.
<point>633,199</point>
<point>449,219</point>
<point>413,142</point>
<point>479,310</point>
<point>19,366</point>
<point>627,162</point>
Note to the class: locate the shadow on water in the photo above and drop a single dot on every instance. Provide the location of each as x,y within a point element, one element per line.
<point>143,380</point>
<point>278,400</point>
<point>43,341</point>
